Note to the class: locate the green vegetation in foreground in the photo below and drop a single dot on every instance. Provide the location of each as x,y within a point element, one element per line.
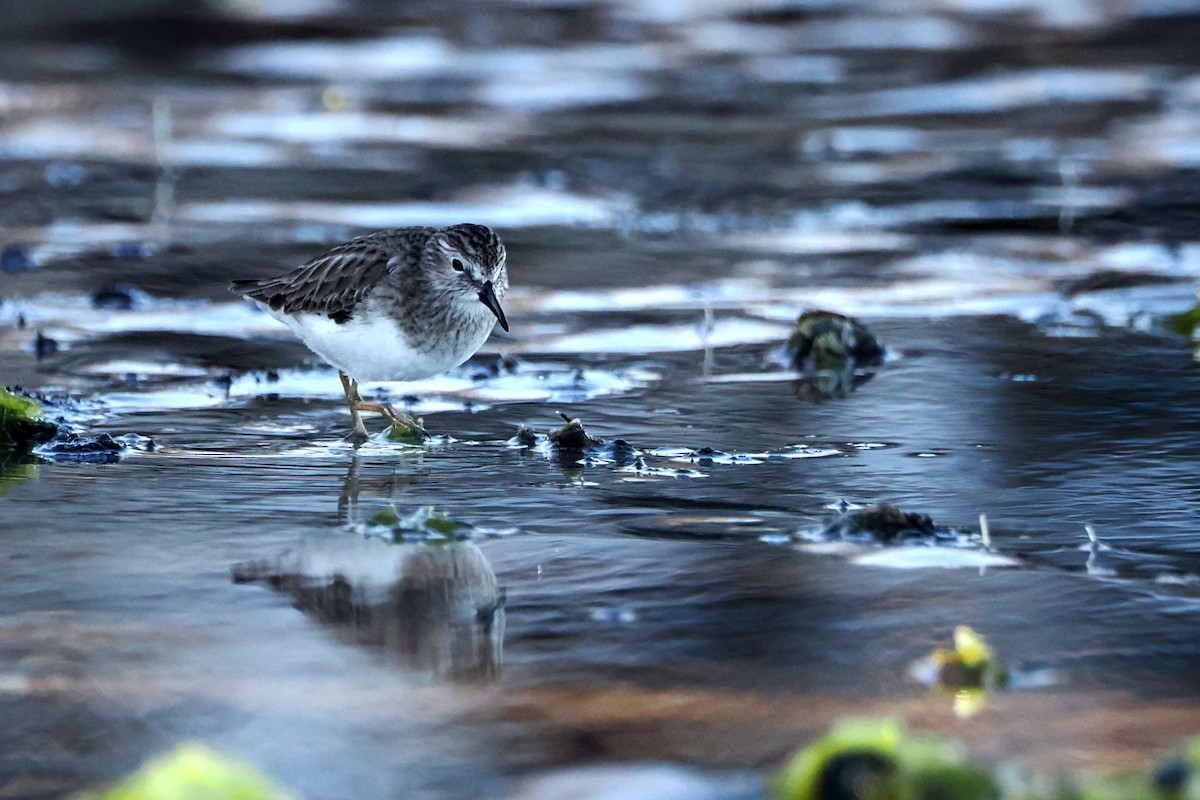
<point>863,759</point>
<point>21,423</point>
<point>859,759</point>
<point>879,759</point>
<point>193,772</point>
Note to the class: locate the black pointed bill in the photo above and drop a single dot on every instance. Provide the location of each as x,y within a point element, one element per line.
<point>487,296</point>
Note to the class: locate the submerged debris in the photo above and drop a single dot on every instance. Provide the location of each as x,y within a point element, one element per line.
<point>862,759</point>
<point>24,431</point>
<point>830,341</point>
<point>193,771</point>
<point>572,444</point>
<point>44,346</point>
<point>708,456</point>
<point>69,446</point>
<point>525,438</point>
<point>885,536</point>
<point>103,448</point>
<point>881,522</point>
<point>120,297</point>
<point>15,258</point>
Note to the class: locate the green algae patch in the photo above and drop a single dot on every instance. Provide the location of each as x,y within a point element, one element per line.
<point>413,434</point>
<point>880,759</point>
<point>194,772</point>
<point>424,524</point>
<point>21,425</point>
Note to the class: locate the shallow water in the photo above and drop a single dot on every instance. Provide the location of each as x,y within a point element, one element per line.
<point>1011,221</point>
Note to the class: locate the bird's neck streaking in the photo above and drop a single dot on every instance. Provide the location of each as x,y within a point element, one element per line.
<point>432,316</point>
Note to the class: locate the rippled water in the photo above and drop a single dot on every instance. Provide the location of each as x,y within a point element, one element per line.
<point>1004,193</point>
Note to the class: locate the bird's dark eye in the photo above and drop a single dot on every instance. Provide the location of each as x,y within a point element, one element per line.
<point>458,265</point>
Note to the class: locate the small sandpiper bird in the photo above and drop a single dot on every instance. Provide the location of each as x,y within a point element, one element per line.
<point>395,305</point>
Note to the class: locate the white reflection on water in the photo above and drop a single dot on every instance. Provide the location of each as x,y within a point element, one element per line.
<point>515,77</point>
<point>401,57</point>
<point>512,206</point>
<point>537,381</point>
<point>313,127</point>
<point>666,338</point>
<point>1006,92</point>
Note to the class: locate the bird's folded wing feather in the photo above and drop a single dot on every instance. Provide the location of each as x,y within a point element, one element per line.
<point>332,284</point>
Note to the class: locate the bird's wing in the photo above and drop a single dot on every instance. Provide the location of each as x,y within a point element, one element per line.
<point>334,283</point>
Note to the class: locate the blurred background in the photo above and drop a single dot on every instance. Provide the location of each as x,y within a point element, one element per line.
<point>1006,192</point>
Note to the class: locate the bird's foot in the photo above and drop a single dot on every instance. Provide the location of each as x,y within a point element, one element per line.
<point>403,426</point>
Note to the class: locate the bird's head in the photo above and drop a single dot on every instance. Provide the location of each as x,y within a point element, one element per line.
<point>467,263</point>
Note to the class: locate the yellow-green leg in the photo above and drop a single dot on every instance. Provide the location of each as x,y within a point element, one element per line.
<point>396,418</point>
<point>350,387</point>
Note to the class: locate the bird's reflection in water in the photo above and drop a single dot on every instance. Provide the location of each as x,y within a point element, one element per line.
<point>435,607</point>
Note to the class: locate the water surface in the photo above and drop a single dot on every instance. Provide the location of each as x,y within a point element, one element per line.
<point>674,184</point>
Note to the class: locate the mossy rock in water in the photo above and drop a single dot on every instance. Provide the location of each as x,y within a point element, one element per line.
<point>21,425</point>
<point>882,522</point>
<point>194,772</point>
<point>832,341</point>
<point>863,759</point>
<point>572,436</point>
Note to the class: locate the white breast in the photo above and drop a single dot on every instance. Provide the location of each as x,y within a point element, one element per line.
<point>376,349</point>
